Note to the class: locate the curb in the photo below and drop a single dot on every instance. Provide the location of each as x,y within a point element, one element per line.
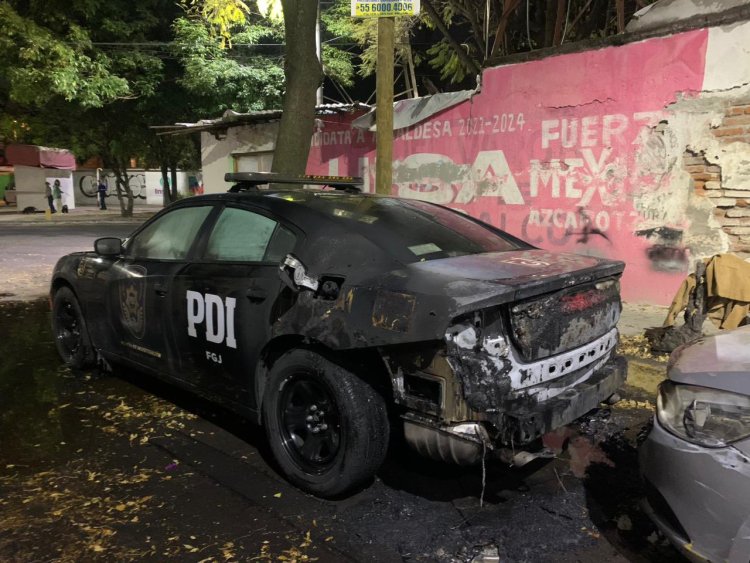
<point>73,218</point>
<point>645,374</point>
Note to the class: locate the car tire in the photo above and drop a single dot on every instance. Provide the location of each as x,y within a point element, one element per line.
<point>327,428</point>
<point>70,332</point>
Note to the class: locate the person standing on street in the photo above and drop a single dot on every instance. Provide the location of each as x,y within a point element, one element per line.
<point>101,189</point>
<point>57,193</point>
<point>50,199</point>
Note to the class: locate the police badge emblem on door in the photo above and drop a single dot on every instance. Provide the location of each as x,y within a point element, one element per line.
<point>133,301</point>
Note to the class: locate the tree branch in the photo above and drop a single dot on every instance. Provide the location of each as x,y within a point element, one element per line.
<point>572,24</point>
<point>438,21</point>
<point>620,15</point>
<point>508,8</point>
<point>559,21</point>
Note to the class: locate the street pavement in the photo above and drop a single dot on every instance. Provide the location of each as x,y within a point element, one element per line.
<point>83,214</point>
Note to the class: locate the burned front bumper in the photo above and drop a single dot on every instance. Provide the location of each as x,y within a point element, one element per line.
<point>698,496</point>
<point>519,419</point>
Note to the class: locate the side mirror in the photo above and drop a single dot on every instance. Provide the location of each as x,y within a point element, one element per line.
<point>108,246</point>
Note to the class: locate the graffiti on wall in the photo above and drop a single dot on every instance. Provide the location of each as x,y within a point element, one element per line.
<point>88,184</point>
<point>572,152</point>
<point>666,252</point>
<point>147,185</point>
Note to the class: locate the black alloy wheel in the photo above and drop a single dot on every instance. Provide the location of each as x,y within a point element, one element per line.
<point>328,429</point>
<point>69,328</point>
<point>310,424</point>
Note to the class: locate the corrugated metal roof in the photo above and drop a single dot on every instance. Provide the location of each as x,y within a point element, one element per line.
<point>414,110</point>
<point>231,118</point>
<point>665,13</point>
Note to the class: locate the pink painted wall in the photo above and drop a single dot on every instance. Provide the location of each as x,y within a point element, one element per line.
<point>560,152</point>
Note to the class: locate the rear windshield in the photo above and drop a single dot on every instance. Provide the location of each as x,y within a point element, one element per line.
<point>415,231</point>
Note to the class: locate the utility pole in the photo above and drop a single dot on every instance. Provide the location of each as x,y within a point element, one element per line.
<point>384,10</point>
<point>319,52</point>
<point>384,108</point>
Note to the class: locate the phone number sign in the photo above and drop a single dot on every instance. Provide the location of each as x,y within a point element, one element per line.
<point>383,8</point>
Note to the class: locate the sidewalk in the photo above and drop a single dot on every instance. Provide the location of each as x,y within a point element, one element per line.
<point>635,318</point>
<point>79,215</point>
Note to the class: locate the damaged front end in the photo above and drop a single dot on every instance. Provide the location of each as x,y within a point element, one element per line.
<point>507,374</point>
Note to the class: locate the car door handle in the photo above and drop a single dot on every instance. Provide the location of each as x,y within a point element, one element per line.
<point>160,290</point>
<point>256,294</point>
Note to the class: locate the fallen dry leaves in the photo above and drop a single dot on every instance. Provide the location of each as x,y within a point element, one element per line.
<point>638,347</point>
<point>82,505</point>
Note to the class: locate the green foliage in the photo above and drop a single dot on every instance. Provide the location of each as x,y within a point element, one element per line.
<point>89,76</point>
<point>271,9</point>
<point>443,58</point>
<point>241,68</point>
<point>525,27</point>
<point>41,65</point>
<point>93,76</point>
<point>228,78</point>
<point>364,32</point>
<point>220,15</point>
<point>338,65</point>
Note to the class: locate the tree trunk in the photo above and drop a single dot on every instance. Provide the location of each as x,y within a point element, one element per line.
<point>122,185</point>
<point>303,74</point>
<point>124,193</point>
<point>620,4</point>
<point>549,22</point>
<point>173,183</point>
<point>559,22</point>
<point>166,197</point>
<point>508,7</point>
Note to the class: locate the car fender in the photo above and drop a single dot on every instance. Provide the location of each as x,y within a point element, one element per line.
<point>272,351</point>
<point>740,551</point>
<point>366,363</point>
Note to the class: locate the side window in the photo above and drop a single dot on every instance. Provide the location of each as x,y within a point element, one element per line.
<point>282,243</point>
<point>170,236</point>
<point>244,236</point>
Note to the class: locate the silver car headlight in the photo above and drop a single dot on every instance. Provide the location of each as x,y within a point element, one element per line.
<point>703,416</point>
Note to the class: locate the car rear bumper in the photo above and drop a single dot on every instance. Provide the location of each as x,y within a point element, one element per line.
<point>698,497</point>
<point>466,442</point>
<point>524,424</point>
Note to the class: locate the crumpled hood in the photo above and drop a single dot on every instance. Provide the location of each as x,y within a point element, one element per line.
<point>719,362</point>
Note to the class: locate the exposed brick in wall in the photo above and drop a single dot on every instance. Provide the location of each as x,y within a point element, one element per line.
<point>732,205</point>
<point>735,126</point>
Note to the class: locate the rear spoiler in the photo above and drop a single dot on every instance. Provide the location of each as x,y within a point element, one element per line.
<point>251,181</point>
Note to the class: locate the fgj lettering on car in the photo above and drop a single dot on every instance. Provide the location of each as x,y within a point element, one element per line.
<point>325,314</point>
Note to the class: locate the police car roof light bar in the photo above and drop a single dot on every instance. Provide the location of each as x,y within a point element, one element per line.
<point>250,180</point>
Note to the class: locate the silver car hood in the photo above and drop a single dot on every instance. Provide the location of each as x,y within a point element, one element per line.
<point>720,362</point>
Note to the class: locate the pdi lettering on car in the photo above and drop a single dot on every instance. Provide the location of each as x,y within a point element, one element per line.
<point>335,318</point>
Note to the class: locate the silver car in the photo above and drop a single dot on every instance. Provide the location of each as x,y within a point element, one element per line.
<point>696,460</point>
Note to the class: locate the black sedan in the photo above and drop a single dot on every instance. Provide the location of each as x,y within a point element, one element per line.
<point>334,318</point>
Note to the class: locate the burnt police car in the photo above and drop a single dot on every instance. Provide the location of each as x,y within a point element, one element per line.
<point>334,317</point>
